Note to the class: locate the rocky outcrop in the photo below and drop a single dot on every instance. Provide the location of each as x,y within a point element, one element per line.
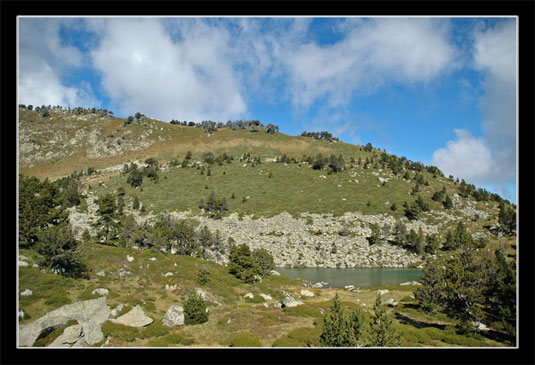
<point>134,318</point>
<point>90,315</point>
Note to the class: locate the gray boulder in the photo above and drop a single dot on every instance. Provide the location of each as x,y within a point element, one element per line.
<point>174,316</point>
<point>306,293</point>
<point>134,318</point>
<point>100,291</point>
<point>249,295</point>
<point>90,314</point>
<point>26,293</point>
<point>266,296</point>
<point>291,302</point>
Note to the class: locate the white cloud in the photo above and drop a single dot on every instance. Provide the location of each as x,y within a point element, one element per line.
<point>372,53</point>
<point>491,159</point>
<point>42,62</point>
<point>144,70</point>
<point>466,157</point>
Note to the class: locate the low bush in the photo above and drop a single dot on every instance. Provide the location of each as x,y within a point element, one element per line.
<point>119,331</point>
<point>245,339</point>
<point>155,329</point>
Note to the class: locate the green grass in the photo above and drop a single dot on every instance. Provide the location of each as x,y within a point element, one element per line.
<point>300,337</point>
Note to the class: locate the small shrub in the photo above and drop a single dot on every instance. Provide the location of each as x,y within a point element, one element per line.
<point>245,339</point>
<point>155,329</point>
<point>119,331</point>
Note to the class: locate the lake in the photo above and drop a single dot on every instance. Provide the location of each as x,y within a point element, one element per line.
<point>363,277</point>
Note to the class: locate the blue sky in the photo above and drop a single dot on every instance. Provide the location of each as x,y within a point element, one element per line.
<point>437,90</point>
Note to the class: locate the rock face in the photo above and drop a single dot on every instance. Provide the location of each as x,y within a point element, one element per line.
<point>90,314</point>
<point>174,316</point>
<point>135,318</point>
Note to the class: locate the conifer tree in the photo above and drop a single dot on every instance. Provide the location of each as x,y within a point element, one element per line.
<point>383,333</point>
<point>337,330</point>
<point>195,310</point>
<point>242,264</point>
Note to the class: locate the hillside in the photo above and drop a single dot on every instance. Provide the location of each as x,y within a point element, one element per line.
<point>135,215</point>
<point>323,205</point>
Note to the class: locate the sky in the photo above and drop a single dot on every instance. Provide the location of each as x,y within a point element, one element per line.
<point>438,90</point>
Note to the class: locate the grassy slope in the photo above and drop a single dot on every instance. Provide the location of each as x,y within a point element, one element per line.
<point>283,327</point>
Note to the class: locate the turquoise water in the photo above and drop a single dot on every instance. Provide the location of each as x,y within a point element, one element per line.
<point>363,277</point>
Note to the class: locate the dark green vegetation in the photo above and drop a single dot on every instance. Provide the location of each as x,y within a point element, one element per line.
<point>249,169</point>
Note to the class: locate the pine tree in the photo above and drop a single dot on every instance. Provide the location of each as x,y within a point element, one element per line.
<point>382,330</point>
<point>337,330</point>
<point>359,326</point>
<point>195,310</point>
<point>242,264</point>
<point>448,204</point>
<point>450,243</point>
<point>135,205</point>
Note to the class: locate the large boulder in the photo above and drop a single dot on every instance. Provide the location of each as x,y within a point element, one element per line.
<point>90,314</point>
<point>306,293</point>
<point>174,316</point>
<point>134,318</point>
